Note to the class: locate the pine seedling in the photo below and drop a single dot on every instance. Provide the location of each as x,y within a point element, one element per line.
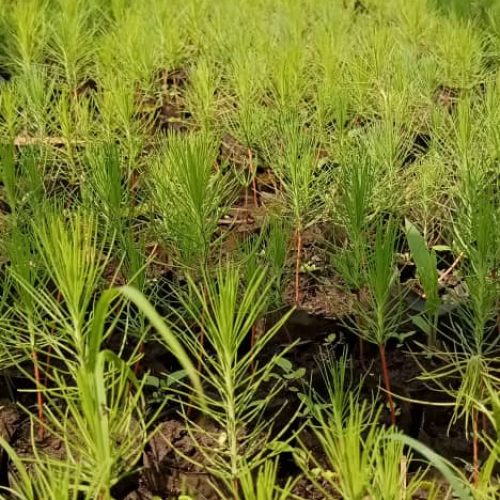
<point>384,142</point>
<point>105,190</point>
<point>265,485</point>
<point>73,258</point>
<point>360,460</point>
<point>332,93</point>
<point>117,108</point>
<point>337,378</point>
<point>9,126</point>
<point>73,123</point>
<point>169,34</point>
<point>277,246</point>
<point>459,49</point>
<point>190,196</point>
<point>35,90</point>
<point>287,61</point>
<point>130,45</point>
<point>19,247</point>
<point>133,267</point>
<point>380,312</point>
<point>225,311</point>
<point>135,260</point>
<point>95,405</point>
<point>27,35</point>
<point>303,183</point>
<point>101,422</point>
<point>33,164</point>
<point>474,345</point>
<point>201,94</point>
<point>269,249</point>
<point>477,340</point>
<point>353,209</point>
<point>348,452</point>
<point>428,180</point>
<point>475,222</point>
<point>72,40</point>
<point>346,435</point>
<point>462,376</point>
<point>249,121</point>
<point>22,178</point>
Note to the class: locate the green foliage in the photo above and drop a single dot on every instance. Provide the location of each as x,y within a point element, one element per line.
<point>239,387</point>
<point>264,486</point>
<point>453,476</point>
<point>115,120</point>
<point>380,311</point>
<point>167,337</point>
<point>426,261</point>
<point>352,204</point>
<point>296,166</point>
<point>190,196</point>
<point>478,215</point>
<point>360,460</point>
<point>54,479</point>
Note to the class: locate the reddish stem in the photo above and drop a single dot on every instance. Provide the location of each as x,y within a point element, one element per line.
<point>254,188</point>
<point>387,382</point>
<point>236,489</point>
<point>484,423</point>
<point>254,180</point>
<point>49,351</point>
<point>39,395</point>
<point>298,241</point>
<point>247,214</point>
<point>138,365</point>
<point>475,448</point>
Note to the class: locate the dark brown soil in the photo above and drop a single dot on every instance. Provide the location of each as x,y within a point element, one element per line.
<point>322,320</point>
<point>167,464</point>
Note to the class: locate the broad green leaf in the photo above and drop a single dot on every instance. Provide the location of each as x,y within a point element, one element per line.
<point>460,487</point>
<point>426,263</point>
<point>421,323</point>
<point>284,364</point>
<point>97,331</point>
<point>418,248</point>
<point>167,335</point>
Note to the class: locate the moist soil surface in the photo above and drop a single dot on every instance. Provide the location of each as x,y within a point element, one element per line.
<point>168,461</point>
<point>323,321</point>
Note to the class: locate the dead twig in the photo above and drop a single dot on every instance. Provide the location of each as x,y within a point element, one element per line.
<point>24,140</point>
<point>450,269</point>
